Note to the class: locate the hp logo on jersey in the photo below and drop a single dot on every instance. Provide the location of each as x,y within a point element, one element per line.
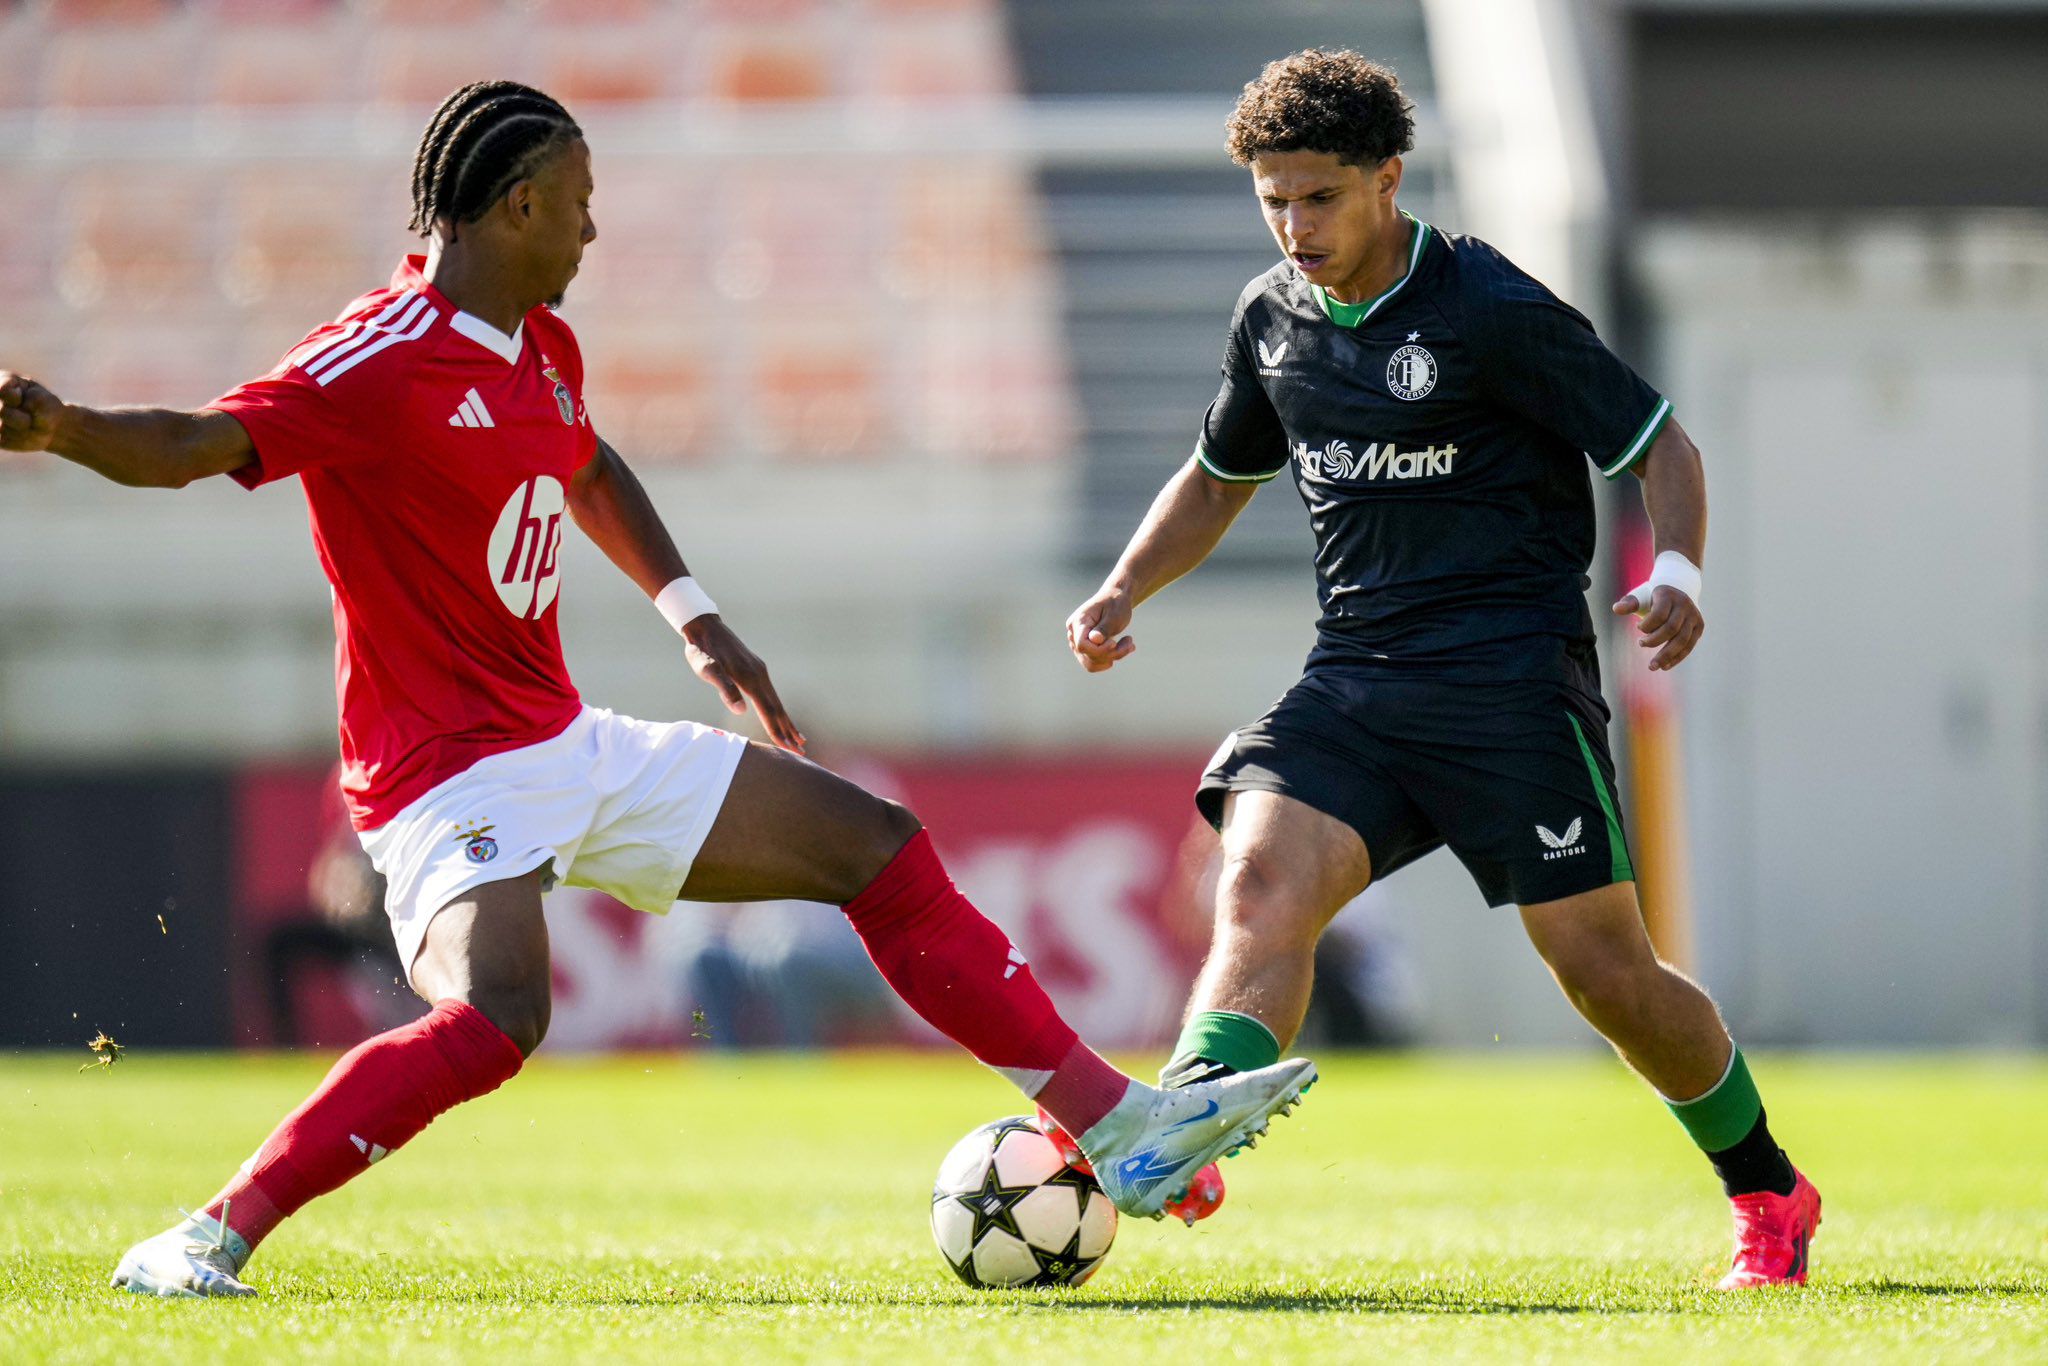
<point>1411,373</point>
<point>526,547</point>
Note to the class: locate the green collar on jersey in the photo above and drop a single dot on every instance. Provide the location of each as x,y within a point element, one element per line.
<point>1351,315</point>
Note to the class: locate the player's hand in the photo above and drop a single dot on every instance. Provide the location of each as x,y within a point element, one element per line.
<point>28,413</point>
<point>1095,633</point>
<point>722,660</point>
<point>1670,623</point>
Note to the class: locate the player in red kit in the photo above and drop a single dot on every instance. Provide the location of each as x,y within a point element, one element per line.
<point>438,429</point>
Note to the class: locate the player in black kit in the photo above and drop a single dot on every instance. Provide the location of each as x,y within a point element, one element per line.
<point>1437,409</point>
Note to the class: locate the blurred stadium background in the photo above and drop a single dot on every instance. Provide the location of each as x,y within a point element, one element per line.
<point>904,308</point>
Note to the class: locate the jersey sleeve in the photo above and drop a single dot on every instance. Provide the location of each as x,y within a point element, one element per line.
<point>298,423</point>
<point>1243,441</point>
<point>1541,358</point>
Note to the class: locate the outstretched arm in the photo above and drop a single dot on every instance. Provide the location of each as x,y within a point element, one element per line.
<point>1675,496</point>
<point>614,511</point>
<point>1185,523</point>
<point>140,447</point>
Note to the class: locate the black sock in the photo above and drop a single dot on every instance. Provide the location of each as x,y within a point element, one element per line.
<point>1755,1164</point>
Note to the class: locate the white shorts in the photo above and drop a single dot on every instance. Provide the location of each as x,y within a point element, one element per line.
<point>611,803</point>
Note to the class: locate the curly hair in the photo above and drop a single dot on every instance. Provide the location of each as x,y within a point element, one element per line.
<point>1322,101</point>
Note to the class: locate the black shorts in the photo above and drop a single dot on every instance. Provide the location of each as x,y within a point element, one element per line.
<point>1515,777</point>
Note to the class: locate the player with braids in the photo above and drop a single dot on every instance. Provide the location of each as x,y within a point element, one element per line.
<point>1436,409</point>
<point>438,430</point>
<point>483,138</point>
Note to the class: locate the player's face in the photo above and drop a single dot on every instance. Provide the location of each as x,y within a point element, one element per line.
<point>1327,216</point>
<point>559,226</point>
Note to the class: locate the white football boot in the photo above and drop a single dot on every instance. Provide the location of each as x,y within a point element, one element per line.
<point>200,1256</point>
<point>1148,1149</point>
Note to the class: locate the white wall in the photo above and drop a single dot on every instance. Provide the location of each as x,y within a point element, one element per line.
<point>1864,724</point>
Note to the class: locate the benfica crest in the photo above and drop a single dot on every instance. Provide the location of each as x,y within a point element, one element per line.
<point>565,402</point>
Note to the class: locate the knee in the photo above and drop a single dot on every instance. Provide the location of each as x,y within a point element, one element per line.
<point>1607,983</point>
<point>1255,896</point>
<point>884,829</point>
<point>519,1006</point>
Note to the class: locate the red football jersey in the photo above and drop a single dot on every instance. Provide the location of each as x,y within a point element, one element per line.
<point>435,452</point>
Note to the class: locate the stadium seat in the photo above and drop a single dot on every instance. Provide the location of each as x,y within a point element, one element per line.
<point>597,11</point>
<point>950,58</point>
<point>313,61</point>
<point>417,68</point>
<point>430,12</point>
<point>816,391</point>
<point>145,64</point>
<point>765,65</point>
<point>224,12</point>
<point>652,389</point>
<point>599,63</point>
<point>27,189</point>
<point>650,253</point>
<point>104,13</point>
<point>151,362</point>
<point>297,239</point>
<point>136,240</point>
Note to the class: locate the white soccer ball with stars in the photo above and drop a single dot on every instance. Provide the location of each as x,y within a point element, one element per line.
<point>1007,1211</point>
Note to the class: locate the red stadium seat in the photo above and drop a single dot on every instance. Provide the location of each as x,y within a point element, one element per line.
<point>417,68</point>
<point>137,240</point>
<point>605,63</point>
<point>269,11</point>
<point>766,66</point>
<point>97,13</point>
<point>652,391</point>
<point>146,65</point>
<point>269,64</point>
<point>27,234</point>
<point>433,12</point>
<point>935,60</point>
<point>155,361</point>
<point>605,11</point>
<point>297,238</point>
<point>651,255</point>
<point>817,394</point>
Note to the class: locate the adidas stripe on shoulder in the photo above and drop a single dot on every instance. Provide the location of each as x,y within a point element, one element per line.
<point>404,319</point>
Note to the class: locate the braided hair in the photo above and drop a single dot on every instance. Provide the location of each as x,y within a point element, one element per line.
<point>484,138</point>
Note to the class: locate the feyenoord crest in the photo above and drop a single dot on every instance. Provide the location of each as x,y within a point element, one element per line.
<point>1412,372</point>
<point>565,402</point>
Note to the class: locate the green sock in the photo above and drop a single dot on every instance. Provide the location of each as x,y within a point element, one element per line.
<point>1237,1041</point>
<point>1722,1117</point>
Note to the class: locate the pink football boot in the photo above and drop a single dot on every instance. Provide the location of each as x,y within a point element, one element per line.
<point>1771,1236</point>
<point>1205,1192</point>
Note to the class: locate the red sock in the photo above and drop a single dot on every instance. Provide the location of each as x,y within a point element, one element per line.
<point>960,973</point>
<point>381,1093</point>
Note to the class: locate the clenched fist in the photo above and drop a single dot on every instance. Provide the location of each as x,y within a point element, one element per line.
<point>28,413</point>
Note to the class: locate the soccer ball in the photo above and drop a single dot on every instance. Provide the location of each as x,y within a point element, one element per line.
<point>1008,1211</point>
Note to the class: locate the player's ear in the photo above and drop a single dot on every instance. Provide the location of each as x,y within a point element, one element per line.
<point>1386,179</point>
<point>519,198</point>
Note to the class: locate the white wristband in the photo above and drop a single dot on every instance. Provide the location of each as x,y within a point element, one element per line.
<point>1672,570</point>
<point>682,602</point>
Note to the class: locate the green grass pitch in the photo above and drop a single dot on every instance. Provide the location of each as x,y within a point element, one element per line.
<point>752,1207</point>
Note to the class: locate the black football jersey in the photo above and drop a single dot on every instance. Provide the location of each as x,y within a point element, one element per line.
<point>1440,435</point>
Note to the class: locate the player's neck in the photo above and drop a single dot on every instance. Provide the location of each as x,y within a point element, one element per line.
<point>476,286</point>
<point>1384,265</point>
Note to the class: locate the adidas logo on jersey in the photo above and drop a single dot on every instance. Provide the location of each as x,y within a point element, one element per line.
<point>472,412</point>
<point>1380,460</point>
